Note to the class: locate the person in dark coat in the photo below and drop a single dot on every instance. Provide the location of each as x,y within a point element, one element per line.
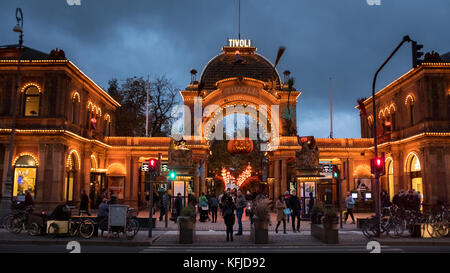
<point>28,200</point>
<point>61,212</point>
<point>112,198</point>
<point>294,206</point>
<point>311,202</point>
<point>84,203</point>
<point>178,205</point>
<point>213,204</point>
<point>228,214</point>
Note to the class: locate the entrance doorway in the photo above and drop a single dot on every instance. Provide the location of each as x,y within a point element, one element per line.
<point>97,186</point>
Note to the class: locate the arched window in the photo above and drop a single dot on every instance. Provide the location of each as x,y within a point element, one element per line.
<point>32,100</point>
<point>414,170</point>
<point>72,166</point>
<point>390,176</point>
<point>370,125</point>
<point>107,125</point>
<point>75,107</point>
<point>410,106</point>
<point>24,177</point>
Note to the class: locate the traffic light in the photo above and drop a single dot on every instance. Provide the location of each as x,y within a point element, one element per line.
<point>416,54</point>
<point>153,166</point>
<point>377,165</point>
<point>172,175</point>
<point>335,172</point>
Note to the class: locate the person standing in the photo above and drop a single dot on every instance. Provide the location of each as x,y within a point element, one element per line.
<point>28,199</point>
<point>213,204</point>
<point>311,202</point>
<point>112,198</point>
<point>203,207</point>
<point>178,205</point>
<point>220,203</point>
<point>164,204</point>
<point>84,203</point>
<point>349,203</point>
<point>286,201</point>
<point>241,203</point>
<point>294,206</point>
<point>280,205</point>
<point>228,214</point>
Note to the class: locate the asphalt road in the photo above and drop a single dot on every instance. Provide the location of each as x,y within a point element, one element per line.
<point>23,248</point>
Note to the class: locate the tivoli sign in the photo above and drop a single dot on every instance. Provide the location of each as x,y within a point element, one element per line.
<point>239,43</point>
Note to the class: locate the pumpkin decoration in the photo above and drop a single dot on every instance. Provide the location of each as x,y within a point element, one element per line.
<point>240,146</point>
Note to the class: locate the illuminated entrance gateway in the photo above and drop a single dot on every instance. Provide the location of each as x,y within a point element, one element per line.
<point>241,81</point>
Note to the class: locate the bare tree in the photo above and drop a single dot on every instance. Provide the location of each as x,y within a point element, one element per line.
<point>130,118</point>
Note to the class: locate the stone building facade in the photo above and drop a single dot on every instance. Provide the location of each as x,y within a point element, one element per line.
<point>65,141</point>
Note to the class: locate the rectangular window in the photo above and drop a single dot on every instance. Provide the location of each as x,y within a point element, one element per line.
<point>32,106</point>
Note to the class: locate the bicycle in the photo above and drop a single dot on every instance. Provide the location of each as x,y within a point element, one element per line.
<point>437,225</point>
<point>83,227</point>
<point>20,221</point>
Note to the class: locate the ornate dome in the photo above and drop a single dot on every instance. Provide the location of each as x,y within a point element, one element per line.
<point>251,65</point>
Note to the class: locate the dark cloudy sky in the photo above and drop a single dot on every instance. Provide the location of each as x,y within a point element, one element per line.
<point>343,39</point>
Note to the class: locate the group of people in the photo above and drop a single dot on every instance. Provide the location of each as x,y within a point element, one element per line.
<point>408,200</point>
<point>288,206</point>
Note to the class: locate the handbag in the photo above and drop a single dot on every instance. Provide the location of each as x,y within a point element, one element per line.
<point>287,211</point>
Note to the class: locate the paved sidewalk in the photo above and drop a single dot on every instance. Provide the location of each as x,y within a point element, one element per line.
<point>220,225</point>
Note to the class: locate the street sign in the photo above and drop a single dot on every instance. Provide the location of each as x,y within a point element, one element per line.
<point>144,167</point>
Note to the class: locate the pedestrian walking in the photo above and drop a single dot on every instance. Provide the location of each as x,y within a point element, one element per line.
<point>349,203</point>
<point>213,204</point>
<point>241,203</point>
<point>286,201</point>
<point>294,206</point>
<point>84,203</point>
<point>229,217</point>
<point>280,206</point>
<point>164,204</point>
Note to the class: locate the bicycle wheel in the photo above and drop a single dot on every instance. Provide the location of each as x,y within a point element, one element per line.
<point>440,227</point>
<point>132,228</point>
<point>7,221</point>
<point>53,228</point>
<point>74,228</point>
<point>430,223</point>
<point>34,229</point>
<point>86,229</point>
<point>390,228</point>
<point>16,225</point>
<point>368,229</point>
<point>402,228</point>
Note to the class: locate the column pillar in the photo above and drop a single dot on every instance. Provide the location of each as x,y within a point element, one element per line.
<point>277,182</point>
<point>284,186</point>
<point>196,180</point>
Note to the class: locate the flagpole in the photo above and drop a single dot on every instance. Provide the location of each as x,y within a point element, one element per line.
<point>331,110</point>
<point>146,106</point>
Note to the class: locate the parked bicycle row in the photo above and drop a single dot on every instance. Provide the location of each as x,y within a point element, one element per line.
<point>62,222</point>
<point>401,222</point>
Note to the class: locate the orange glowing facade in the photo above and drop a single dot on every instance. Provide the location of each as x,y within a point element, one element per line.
<point>65,141</point>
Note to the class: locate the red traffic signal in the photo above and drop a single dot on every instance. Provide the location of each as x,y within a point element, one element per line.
<point>377,165</point>
<point>153,165</point>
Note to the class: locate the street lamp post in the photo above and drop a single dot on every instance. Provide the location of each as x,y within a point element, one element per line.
<point>375,142</point>
<point>6,193</point>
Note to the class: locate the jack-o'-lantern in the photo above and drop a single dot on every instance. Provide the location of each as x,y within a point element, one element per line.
<point>240,146</point>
